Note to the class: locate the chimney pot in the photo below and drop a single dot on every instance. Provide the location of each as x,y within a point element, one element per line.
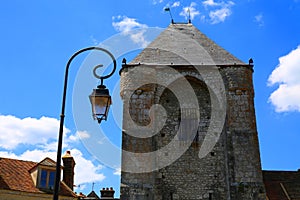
<point>107,192</point>
<point>68,170</point>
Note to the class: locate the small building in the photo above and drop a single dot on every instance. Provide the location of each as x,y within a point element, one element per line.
<point>282,185</point>
<point>29,180</point>
<point>106,194</point>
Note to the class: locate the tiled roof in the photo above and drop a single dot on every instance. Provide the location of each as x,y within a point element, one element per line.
<point>282,185</point>
<point>184,44</point>
<point>15,175</point>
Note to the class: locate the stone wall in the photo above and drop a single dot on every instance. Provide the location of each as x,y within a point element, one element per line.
<point>244,157</point>
<point>231,169</point>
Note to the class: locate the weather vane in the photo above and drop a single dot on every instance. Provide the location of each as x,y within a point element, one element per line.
<point>167,9</point>
<point>190,21</point>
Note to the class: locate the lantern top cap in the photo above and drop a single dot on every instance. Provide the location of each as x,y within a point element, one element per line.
<point>101,86</point>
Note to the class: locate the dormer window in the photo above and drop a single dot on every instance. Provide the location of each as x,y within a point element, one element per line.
<point>46,179</point>
<point>43,174</point>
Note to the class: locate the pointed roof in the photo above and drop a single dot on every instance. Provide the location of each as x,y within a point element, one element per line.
<point>94,195</point>
<point>45,162</point>
<point>184,44</point>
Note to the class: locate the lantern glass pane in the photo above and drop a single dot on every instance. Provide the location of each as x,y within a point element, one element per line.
<point>100,105</point>
<point>101,101</point>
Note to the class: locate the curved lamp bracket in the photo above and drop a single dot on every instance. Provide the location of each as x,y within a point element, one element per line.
<point>98,66</point>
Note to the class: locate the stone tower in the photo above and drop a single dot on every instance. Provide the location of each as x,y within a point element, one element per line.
<point>189,128</point>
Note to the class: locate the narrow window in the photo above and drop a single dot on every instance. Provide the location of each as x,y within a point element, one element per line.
<point>51,179</point>
<point>47,179</point>
<point>43,181</point>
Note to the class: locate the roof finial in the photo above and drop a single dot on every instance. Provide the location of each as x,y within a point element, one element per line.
<point>250,61</point>
<point>124,61</point>
<point>167,9</point>
<point>190,21</point>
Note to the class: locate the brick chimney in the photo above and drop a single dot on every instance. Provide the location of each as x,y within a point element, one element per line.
<point>68,170</point>
<point>107,193</point>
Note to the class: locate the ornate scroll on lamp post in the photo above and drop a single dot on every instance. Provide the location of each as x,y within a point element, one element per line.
<point>100,100</point>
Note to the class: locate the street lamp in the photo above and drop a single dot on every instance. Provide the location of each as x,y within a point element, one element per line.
<point>100,100</point>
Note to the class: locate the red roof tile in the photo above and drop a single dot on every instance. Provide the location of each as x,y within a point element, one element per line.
<point>15,175</point>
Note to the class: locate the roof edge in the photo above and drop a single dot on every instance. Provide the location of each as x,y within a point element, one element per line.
<point>124,66</point>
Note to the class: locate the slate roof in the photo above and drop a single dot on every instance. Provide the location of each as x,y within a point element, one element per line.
<point>282,185</point>
<point>184,44</point>
<point>15,175</point>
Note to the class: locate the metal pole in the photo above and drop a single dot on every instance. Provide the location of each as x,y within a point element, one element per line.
<point>62,116</point>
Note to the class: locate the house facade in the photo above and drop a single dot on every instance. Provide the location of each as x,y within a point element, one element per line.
<point>27,180</point>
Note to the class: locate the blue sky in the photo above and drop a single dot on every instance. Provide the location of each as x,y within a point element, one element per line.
<point>38,38</point>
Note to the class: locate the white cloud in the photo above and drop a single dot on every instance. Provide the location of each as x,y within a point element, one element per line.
<point>82,175</point>
<point>222,10</point>
<point>32,131</point>
<point>50,146</point>
<point>79,135</point>
<point>102,140</point>
<point>219,15</point>
<point>33,155</point>
<point>259,19</point>
<point>176,4</point>
<point>130,26</point>
<point>94,40</point>
<point>42,135</point>
<point>126,24</point>
<point>157,1</point>
<point>287,74</point>
<point>117,171</point>
<point>210,3</point>
<point>138,38</point>
<point>190,11</point>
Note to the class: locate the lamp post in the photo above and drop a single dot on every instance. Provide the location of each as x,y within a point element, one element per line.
<point>100,100</point>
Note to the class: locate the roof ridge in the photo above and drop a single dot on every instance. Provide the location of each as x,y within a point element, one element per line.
<point>17,159</point>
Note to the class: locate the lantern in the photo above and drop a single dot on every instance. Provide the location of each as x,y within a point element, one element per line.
<point>101,101</point>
